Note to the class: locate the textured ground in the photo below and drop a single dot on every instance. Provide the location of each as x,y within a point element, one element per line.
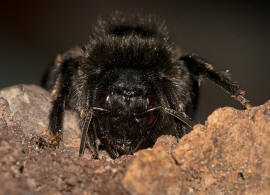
<point>229,154</point>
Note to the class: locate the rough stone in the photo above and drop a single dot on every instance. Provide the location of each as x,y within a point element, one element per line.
<point>29,106</point>
<point>230,154</point>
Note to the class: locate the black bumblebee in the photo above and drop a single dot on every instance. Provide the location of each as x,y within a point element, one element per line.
<point>130,85</point>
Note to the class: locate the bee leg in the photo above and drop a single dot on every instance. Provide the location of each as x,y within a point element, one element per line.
<point>94,141</point>
<point>61,93</point>
<point>89,135</point>
<point>114,154</point>
<point>85,129</point>
<point>200,67</point>
<point>56,121</point>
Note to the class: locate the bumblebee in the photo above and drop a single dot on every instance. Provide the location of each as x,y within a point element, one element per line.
<point>130,84</point>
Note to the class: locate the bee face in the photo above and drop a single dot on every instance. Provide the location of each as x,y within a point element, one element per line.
<point>126,97</point>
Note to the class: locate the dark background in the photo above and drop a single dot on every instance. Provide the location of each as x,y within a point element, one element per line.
<point>231,35</point>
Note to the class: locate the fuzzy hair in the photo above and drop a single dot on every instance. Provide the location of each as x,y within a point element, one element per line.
<point>119,25</point>
<point>140,42</point>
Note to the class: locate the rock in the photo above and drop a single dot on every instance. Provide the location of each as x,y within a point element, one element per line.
<point>29,106</point>
<point>229,155</point>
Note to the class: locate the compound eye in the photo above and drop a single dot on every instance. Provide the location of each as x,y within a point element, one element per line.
<point>151,118</point>
<point>102,98</point>
<point>152,101</point>
<point>147,119</point>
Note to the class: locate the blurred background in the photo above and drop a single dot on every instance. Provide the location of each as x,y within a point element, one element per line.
<point>232,35</point>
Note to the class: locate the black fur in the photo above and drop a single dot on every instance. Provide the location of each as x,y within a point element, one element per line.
<point>130,84</point>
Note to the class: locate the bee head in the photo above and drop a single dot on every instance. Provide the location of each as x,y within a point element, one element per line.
<point>126,95</point>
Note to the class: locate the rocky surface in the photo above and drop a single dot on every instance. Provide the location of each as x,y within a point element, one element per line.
<point>230,154</point>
